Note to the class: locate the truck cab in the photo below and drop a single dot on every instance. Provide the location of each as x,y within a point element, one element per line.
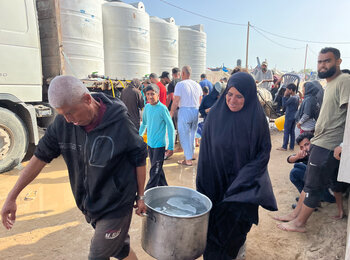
<point>21,84</point>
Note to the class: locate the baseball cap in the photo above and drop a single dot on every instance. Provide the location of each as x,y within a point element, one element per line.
<point>264,63</point>
<point>165,74</point>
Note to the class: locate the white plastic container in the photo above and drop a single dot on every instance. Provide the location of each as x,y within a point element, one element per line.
<point>193,49</point>
<point>164,44</point>
<point>126,40</point>
<point>82,37</point>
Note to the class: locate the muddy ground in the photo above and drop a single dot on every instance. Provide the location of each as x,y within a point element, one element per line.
<point>49,226</point>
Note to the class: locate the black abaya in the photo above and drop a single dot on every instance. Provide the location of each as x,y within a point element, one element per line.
<point>232,168</point>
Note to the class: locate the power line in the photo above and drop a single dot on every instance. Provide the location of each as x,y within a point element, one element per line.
<point>279,44</point>
<point>313,52</point>
<point>299,40</point>
<point>203,16</point>
<point>255,27</point>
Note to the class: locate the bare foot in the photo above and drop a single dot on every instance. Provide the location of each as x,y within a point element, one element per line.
<point>285,218</point>
<point>292,227</point>
<point>340,216</point>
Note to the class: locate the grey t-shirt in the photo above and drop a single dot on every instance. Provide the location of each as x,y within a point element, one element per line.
<point>330,124</point>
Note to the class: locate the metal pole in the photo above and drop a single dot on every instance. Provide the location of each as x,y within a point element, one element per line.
<point>305,61</point>
<point>246,54</point>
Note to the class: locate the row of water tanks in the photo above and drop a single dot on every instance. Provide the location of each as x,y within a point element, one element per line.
<point>121,41</point>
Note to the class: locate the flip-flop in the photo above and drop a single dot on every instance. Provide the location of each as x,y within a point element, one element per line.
<point>183,162</point>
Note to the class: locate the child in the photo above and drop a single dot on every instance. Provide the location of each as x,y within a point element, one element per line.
<point>156,118</point>
<point>290,103</point>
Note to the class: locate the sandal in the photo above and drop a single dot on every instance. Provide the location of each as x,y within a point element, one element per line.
<point>183,162</point>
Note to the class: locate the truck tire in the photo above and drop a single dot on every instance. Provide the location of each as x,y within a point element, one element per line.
<point>13,140</point>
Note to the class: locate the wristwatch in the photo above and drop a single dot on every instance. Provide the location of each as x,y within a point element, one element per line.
<point>140,197</point>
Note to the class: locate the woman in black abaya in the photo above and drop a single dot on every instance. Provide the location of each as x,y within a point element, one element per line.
<point>232,167</point>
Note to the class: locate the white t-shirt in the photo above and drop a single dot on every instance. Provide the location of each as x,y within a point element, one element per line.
<point>189,92</point>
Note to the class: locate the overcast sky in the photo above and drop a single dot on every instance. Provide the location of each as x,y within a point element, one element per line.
<point>312,20</point>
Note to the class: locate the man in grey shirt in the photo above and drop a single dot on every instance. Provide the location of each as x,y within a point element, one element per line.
<point>264,76</point>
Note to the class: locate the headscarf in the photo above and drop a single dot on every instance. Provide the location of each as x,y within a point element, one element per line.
<point>309,104</point>
<point>235,150</point>
<point>208,101</point>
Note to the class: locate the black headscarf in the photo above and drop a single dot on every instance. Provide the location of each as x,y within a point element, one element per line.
<point>309,104</point>
<point>208,101</point>
<point>235,150</point>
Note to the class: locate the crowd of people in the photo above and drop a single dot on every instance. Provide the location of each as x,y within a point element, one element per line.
<point>100,139</point>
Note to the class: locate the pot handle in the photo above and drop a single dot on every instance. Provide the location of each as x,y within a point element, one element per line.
<point>150,216</point>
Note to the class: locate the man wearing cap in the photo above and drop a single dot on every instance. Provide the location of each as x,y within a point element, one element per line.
<point>264,76</point>
<point>162,90</point>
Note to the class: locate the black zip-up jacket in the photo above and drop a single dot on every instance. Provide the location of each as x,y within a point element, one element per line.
<point>102,163</point>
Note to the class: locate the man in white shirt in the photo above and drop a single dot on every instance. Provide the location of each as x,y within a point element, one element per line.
<point>264,76</point>
<point>187,97</point>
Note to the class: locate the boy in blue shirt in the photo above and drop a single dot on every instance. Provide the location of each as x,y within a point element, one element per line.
<point>156,118</point>
<point>290,103</point>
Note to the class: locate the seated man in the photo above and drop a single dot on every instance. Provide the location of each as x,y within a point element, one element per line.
<point>300,160</point>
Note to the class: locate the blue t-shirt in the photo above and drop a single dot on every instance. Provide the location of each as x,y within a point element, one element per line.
<point>156,118</point>
<point>206,83</point>
<point>290,104</point>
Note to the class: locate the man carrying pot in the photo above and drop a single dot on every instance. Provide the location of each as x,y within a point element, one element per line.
<point>105,158</point>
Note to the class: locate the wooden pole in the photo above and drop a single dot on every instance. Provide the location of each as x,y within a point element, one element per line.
<point>246,54</point>
<point>305,61</point>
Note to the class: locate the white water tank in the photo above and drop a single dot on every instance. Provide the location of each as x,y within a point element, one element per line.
<point>82,37</point>
<point>193,49</point>
<point>164,44</point>
<point>126,40</point>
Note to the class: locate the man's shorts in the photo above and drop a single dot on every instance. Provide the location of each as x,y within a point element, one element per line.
<point>321,172</point>
<point>111,238</point>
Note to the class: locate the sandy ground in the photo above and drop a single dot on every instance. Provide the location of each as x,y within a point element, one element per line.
<point>49,226</point>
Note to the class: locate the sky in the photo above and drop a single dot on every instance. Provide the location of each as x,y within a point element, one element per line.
<point>309,21</point>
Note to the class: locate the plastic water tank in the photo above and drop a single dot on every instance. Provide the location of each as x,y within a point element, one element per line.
<point>164,44</point>
<point>193,49</point>
<point>82,37</point>
<point>126,40</point>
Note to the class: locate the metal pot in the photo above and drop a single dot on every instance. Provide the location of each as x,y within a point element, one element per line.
<point>175,237</point>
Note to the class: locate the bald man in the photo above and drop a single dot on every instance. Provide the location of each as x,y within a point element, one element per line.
<point>187,96</point>
<point>105,158</point>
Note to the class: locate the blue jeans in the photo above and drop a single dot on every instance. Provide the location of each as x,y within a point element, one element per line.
<point>296,176</point>
<point>187,126</point>
<point>289,126</point>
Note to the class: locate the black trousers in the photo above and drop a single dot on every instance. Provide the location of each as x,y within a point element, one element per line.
<point>321,172</point>
<point>156,173</point>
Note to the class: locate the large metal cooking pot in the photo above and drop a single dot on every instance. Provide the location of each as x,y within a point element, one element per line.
<point>169,234</point>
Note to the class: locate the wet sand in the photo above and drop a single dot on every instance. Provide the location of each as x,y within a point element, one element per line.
<point>49,226</point>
